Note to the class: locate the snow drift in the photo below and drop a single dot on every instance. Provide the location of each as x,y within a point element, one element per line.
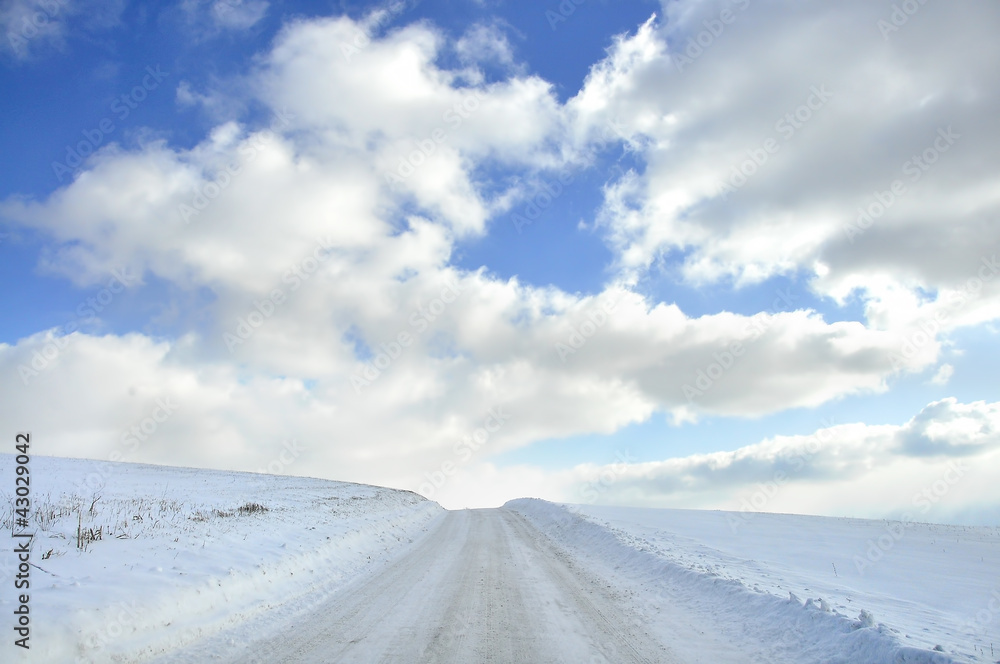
<point>688,573</point>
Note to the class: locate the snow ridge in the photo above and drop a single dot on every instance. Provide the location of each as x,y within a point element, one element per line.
<point>716,614</point>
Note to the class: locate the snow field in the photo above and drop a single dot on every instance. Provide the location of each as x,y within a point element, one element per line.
<point>178,559</point>
<point>140,563</point>
<point>769,588</point>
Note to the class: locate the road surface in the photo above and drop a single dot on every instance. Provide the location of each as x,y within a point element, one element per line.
<point>484,586</point>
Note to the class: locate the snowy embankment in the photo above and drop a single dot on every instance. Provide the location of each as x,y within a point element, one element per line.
<point>134,560</point>
<point>786,588</point>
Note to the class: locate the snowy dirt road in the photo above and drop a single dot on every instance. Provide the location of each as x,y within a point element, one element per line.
<point>482,586</point>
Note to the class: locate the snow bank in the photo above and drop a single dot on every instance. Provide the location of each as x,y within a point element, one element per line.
<point>183,554</point>
<point>683,586</point>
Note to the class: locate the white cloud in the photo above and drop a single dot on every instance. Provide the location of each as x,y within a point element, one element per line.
<point>834,113</point>
<point>30,27</point>
<point>937,465</point>
<point>238,14</point>
<point>943,375</point>
<point>300,227</point>
<point>485,44</point>
<point>224,101</point>
<point>209,17</point>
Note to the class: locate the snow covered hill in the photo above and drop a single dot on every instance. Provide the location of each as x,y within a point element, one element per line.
<point>137,563</point>
<point>172,555</point>
<point>787,588</point>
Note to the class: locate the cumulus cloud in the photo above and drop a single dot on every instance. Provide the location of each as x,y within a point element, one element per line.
<point>323,238</point>
<point>485,44</point>
<point>772,137</point>
<point>948,429</point>
<point>948,449</point>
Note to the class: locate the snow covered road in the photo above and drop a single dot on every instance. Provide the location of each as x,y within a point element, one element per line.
<point>482,586</point>
<point>326,571</point>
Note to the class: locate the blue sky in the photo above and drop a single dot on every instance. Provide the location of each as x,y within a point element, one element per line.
<point>620,123</point>
<point>60,93</point>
